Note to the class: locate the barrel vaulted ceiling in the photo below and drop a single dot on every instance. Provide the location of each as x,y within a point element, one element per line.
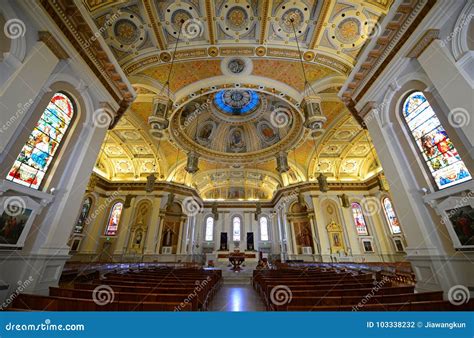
<point>142,35</point>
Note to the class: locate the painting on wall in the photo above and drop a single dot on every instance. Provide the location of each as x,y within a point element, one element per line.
<point>462,222</point>
<point>15,220</point>
<point>12,225</point>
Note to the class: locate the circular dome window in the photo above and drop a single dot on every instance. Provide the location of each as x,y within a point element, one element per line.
<point>236,101</point>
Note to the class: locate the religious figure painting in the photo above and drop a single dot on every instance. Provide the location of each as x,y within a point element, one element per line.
<point>12,224</point>
<point>205,132</point>
<point>236,141</point>
<point>266,131</point>
<point>462,220</point>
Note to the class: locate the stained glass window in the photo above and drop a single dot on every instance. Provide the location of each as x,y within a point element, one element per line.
<point>114,219</point>
<point>236,229</point>
<point>36,155</point>
<point>359,219</point>
<point>263,228</point>
<point>209,229</point>
<point>433,142</point>
<point>392,218</point>
<point>81,221</point>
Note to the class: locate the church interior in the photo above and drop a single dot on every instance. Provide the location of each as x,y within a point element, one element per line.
<point>236,155</point>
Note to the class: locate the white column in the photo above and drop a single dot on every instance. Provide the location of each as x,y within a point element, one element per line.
<point>124,228</point>
<point>153,227</point>
<point>22,88</point>
<point>453,86</point>
<point>325,247</point>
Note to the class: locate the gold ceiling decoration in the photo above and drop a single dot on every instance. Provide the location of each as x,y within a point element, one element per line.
<point>232,48</point>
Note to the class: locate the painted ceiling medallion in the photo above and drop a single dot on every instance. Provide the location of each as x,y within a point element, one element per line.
<point>236,19</point>
<point>178,15</point>
<point>348,30</point>
<point>126,33</point>
<point>236,66</point>
<point>291,17</point>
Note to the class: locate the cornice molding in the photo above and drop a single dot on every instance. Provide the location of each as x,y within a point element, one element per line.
<point>50,41</point>
<point>395,34</point>
<point>76,29</point>
<point>429,36</point>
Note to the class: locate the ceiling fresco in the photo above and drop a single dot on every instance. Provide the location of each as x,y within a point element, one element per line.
<point>236,63</point>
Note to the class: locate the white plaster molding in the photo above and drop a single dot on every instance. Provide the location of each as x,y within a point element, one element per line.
<point>252,79</point>
<point>459,35</point>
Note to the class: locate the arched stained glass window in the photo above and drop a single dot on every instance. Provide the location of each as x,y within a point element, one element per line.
<point>391,217</point>
<point>36,155</point>
<point>359,219</point>
<point>439,153</point>
<point>114,219</point>
<point>81,221</point>
<point>263,228</point>
<point>209,235</point>
<point>236,229</point>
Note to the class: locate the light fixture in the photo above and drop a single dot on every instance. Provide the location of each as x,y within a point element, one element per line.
<point>314,117</point>
<point>258,210</point>
<point>215,212</point>
<point>158,121</point>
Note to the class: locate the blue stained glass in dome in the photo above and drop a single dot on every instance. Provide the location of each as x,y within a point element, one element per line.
<point>236,101</point>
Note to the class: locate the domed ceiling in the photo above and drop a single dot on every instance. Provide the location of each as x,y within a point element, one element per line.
<point>236,82</point>
<point>235,125</point>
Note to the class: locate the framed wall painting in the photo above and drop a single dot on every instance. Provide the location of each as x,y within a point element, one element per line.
<point>16,218</point>
<point>458,215</point>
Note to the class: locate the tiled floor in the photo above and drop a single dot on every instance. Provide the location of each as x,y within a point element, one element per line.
<point>236,298</point>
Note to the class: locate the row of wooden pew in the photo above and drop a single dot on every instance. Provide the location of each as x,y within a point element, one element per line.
<point>330,289</point>
<point>158,289</point>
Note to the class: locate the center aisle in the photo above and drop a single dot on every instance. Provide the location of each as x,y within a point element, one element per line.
<point>236,298</point>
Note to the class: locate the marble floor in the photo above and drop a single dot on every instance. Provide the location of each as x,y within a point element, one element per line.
<point>236,298</point>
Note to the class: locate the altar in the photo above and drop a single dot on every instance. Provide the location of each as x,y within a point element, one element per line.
<point>236,258</point>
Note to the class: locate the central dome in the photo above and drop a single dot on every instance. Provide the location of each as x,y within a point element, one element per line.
<point>236,125</point>
<point>236,101</point>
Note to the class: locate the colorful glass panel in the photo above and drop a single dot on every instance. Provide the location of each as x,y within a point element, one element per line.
<point>392,218</point>
<point>81,221</point>
<point>37,154</point>
<point>114,219</point>
<point>432,140</point>
<point>209,229</point>
<point>359,219</point>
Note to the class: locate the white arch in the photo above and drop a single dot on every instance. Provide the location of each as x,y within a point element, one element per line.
<point>460,32</point>
<point>252,79</point>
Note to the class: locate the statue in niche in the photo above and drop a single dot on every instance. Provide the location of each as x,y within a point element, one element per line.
<point>138,238</point>
<point>168,237</point>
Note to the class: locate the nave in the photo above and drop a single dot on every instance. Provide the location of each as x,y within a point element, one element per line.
<point>285,287</point>
<point>314,147</point>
